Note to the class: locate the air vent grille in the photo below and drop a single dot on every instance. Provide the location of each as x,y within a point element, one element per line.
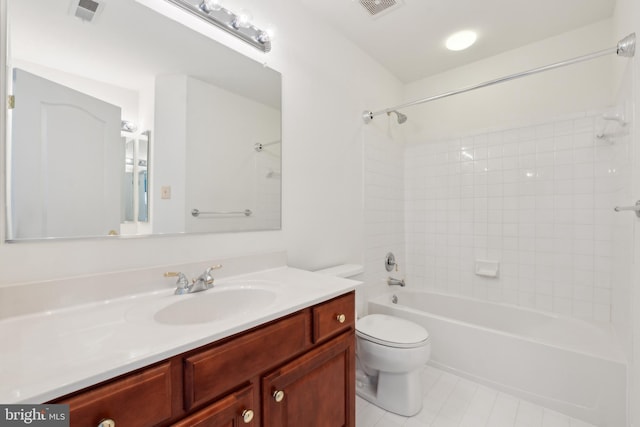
<point>374,7</point>
<point>86,9</point>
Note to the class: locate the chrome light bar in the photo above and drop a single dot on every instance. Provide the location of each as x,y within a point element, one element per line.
<point>236,24</point>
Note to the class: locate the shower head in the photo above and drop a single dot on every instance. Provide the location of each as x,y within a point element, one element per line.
<point>401,117</point>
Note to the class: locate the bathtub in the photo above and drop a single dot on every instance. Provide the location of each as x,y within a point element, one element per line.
<point>565,364</point>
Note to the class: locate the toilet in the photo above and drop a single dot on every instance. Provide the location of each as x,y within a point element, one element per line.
<point>390,353</point>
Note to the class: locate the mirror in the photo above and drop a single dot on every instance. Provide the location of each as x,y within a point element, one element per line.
<point>125,122</point>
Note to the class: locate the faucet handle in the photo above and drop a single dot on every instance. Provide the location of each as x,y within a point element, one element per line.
<point>182,282</point>
<point>206,276</point>
<point>173,274</point>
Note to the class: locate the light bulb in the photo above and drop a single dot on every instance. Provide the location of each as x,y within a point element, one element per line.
<point>128,126</point>
<point>266,35</point>
<point>271,32</point>
<point>461,40</point>
<point>210,5</point>
<point>263,37</point>
<point>243,19</point>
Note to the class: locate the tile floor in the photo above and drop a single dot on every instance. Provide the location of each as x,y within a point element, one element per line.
<point>451,401</point>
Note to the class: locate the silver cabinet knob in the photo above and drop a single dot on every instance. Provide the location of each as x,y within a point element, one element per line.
<point>278,395</point>
<point>107,423</point>
<point>247,416</point>
<point>341,318</point>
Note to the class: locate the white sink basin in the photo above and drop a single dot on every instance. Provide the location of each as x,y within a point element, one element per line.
<point>215,305</point>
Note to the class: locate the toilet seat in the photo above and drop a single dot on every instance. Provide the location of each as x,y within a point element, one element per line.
<point>391,331</point>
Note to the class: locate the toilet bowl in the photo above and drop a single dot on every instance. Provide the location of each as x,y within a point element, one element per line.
<point>391,353</point>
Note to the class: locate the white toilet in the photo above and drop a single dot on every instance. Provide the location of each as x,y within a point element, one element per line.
<point>390,353</point>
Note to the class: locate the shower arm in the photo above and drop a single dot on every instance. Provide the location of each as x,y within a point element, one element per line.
<point>625,47</point>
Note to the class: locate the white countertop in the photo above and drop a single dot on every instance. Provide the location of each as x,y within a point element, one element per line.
<point>49,354</point>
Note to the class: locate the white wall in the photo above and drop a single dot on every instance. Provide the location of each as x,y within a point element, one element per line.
<point>169,155</point>
<point>327,83</point>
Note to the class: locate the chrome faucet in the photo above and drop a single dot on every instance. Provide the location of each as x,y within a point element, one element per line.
<point>395,282</point>
<point>202,283</point>
<point>182,282</point>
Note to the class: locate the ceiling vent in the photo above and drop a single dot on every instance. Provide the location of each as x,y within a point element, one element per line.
<point>85,9</point>
<point>377,7</point>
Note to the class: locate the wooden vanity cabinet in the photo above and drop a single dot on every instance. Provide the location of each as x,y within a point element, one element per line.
<point>295,371</point>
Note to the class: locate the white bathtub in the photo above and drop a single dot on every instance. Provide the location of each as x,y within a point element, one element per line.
<point>565,364</point>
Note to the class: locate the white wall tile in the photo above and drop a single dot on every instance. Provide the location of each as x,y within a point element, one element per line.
<point>533,197</point>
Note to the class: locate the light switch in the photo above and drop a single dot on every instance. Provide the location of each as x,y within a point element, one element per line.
<point>165,192</point>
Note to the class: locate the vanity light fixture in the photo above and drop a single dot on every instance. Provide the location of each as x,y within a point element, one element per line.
<point>238,24</point>
<point>461,40</point>
<point>127,126</point>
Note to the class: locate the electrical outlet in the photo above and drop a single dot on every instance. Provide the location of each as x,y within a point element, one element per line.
<point>165,192</point>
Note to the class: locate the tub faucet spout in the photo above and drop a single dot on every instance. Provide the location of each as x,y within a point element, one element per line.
<point>395,282</point>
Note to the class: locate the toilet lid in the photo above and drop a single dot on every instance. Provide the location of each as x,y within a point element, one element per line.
<point>391,331</point>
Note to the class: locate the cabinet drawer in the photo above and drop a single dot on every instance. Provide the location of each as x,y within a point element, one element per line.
<point>213,372</point>
<point>237,409</point>
<point>141,399</point>
<point>333,317</point>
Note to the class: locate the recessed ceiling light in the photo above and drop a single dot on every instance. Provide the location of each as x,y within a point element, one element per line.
<point>461,40</point>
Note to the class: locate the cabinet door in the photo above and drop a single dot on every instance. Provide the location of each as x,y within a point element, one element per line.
<point>235,410</point>
<point>315,390</point>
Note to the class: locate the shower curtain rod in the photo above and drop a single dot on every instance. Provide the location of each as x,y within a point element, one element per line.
<point>625,47</point>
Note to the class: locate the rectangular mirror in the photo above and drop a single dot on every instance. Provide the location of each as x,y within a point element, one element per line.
<point>125,122</point>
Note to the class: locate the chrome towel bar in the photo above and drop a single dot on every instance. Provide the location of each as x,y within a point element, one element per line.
<point>635,208</point>
<point>196,212</point>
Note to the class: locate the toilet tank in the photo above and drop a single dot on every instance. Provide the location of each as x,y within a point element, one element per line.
<point>348,271</point>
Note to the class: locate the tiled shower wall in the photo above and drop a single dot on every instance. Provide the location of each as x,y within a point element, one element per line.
<point>383,210</point>
<point>622,250</point>
<point>538,199</point>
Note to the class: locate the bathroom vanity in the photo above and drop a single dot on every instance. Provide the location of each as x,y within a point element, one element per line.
<point>297,370</point>
<point>288,359</point>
